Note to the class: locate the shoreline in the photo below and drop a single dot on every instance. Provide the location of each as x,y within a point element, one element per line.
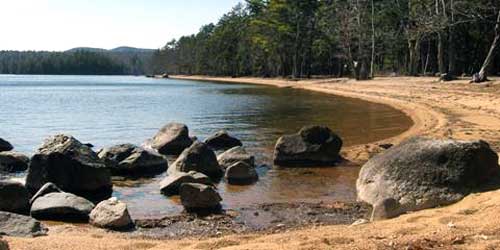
<point>440,110</point>
<point>422,117</point>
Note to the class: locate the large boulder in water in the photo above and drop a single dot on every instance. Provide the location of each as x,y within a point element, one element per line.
<point>111,214</point>
<point>17,225</point>
<point>72,166</point>
<point>61,207</point>
<point>423,173</point>
<point>14,197</point>
<point>200,158</point>
<point>13,162</point>
<point>199,197</point>
<point>222,140</point>
<point>128,159</point>
<point>235,155</point>
<point>312,146</point>
<point>5,145</point>
<point>171,184</point>
<point>172,139</point>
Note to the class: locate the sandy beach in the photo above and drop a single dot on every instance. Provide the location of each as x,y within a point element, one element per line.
<point>454,109</point>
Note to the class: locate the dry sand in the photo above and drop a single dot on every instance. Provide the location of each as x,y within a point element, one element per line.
<point>441,110</point>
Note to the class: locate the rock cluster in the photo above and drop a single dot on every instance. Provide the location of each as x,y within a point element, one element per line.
<point>131,160</point>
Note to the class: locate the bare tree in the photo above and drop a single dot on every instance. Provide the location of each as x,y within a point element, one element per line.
<point>482,76</point>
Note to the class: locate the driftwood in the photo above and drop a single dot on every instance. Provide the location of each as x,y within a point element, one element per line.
<point>482,76</point>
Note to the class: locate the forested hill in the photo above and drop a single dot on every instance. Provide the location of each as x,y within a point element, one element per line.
<point>78,61</point>
<point>342,38</point>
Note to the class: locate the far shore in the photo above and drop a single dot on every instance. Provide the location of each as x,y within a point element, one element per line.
<point>455,109</point>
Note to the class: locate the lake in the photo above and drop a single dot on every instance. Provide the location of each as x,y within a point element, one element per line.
<point>109,110</point>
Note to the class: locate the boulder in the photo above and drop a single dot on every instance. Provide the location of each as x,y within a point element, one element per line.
<point>5,145</point>
<point>61,207</point>
<point>200,158</point>
<point>17,225</point>
<point>14,197</point>
<point>241,173</point>
<point>222,140</point>
<point>48,188</point>
<point>170,185</point>
<point>199,197</point>
<point>312,146</point>
<point>72,166</point>
<point>235,155</point>
<point>128,159</point>
<point>172,139</point>
<point>13,162</point>
<point>111,214</point>
<point>423,173</point>
<point>446,77</point>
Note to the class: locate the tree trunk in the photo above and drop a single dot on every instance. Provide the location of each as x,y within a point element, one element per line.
<point>482,76</point>
<point>373,42</point>
<point>440,55</point>
<point>451,43</point>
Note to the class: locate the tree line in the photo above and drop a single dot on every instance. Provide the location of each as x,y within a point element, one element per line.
<point>357,38</point>
<point>79,62</point>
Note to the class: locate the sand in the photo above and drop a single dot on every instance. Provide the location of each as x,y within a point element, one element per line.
<point>454,109</point>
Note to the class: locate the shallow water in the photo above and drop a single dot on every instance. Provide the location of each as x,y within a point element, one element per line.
<point>108,110</point>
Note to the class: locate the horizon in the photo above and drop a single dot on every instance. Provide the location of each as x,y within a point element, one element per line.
<point>57,25</point>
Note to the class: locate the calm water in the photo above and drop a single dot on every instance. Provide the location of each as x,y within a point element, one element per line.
<point>105,111</point>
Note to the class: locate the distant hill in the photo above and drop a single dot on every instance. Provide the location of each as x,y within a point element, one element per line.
<point>122,49</point>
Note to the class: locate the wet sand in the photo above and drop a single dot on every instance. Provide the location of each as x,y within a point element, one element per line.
<point>441,110</point>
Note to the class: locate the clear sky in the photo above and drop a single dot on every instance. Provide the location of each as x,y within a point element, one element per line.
<point>58,25</point>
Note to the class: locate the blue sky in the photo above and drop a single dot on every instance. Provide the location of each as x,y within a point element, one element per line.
<point>58,25</point>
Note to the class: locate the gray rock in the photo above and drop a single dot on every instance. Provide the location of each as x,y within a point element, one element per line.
<point>61,207</point>
<point>48,188</point>
<point>241,173</point>
<point>170,185</point>
<point>386,209</point>
<point>172,139</point>
<point>72,166</point>
<point>5,145</point>
<point>222,140</point>
<point>199,197</point>
<point>235,155</point>
<point>423,173</point>
<point>17,225</point>
<point>13,162</point>
<point>111,214</point>
<point>312,146</point>
<point>128,159</point>
<point>14,197</point>
<point>200,158</point>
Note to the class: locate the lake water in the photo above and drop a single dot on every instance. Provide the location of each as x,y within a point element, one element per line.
<point>109,110</point>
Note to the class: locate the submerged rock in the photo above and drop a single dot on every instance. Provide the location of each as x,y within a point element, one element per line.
<point>172,183</point>
<point>312,146</point>
<point>61,207</point>
<point>48,188</point>
<point>235,155</point>
<point>72,166</point>
<point>200,158</point>
<point>13,162</point>
<point>128,159</point>
<point>423,173</point>
<point>222,140</point>
<point>241,173</point>
<point>5,145</point>
<point>111,214</point>
<point>17,225</point>
<point>14,197</point>
<point>199,197</point>
<point>172,139</point>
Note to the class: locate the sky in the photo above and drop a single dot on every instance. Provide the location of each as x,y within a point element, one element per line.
<point>58,25</point>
